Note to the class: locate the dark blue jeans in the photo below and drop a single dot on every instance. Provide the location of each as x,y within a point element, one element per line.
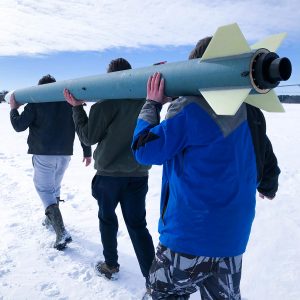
<point>130,192</point>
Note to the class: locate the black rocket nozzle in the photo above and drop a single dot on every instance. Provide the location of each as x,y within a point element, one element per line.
<point>269,70</point>
<point>280,69</point>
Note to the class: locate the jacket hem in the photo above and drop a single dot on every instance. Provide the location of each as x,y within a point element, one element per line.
<point>122,174</point>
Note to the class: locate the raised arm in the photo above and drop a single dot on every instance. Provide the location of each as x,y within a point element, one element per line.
<point>20,122</point>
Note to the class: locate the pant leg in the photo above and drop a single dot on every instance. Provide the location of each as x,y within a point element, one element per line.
<point>44,178</point>
<point>62,163</point>
<point>175,274</point>
<point>172,274</point>
<point>106,190</point>
<point>134,213</point>
<point>224,283</point>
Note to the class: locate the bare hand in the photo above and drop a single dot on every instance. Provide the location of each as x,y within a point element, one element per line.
<point>155,89</point>
<point>263,196</point>
<point>13,103</point>
<point>87,160</point>
<point>71,99</point>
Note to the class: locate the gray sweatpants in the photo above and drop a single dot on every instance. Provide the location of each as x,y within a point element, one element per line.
<point>176,276</point>
<point>48,174</point>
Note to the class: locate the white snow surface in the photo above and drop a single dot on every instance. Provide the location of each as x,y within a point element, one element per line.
<point>31,269</point>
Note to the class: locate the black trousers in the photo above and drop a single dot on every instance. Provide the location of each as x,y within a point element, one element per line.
<point>130,192</point>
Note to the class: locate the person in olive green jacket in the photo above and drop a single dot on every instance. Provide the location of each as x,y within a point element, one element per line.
<point>119,178</point>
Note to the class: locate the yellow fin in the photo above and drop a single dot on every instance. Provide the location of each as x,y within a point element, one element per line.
<point>271,42</point>
<point>225,102</point>
<point>268,102</point>
<point>228,40</point>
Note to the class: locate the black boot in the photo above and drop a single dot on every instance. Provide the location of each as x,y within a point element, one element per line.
<point>46,222</point>
<point>62,236</point>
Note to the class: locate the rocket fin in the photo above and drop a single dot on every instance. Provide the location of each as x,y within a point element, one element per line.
<point>268,102</point>
<point>271,42</point>
<point>225,102</point>
<point>228,40</point>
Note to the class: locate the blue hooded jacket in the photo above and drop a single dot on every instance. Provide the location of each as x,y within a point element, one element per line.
<point>209,175</point>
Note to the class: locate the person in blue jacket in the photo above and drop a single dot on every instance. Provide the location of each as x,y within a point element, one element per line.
<point>50,141</point>
<point>212,167</point>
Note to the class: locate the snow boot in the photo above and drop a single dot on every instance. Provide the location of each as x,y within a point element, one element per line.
<point>103,270</point>
<point>46,222</point>
<point>62,236</point>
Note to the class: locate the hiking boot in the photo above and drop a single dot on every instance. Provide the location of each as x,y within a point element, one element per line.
<point>103,270</point>
<point>62,235</point>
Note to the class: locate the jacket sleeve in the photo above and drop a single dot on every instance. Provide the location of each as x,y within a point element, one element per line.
<point>155,142</point>
<point>268,185</point>
<point>266,162</point>
<point>87,150</point>
<point>21,122</point>
<point>92,129</point>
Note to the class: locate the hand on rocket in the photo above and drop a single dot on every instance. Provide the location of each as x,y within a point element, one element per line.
<point>13,103</point>
<point>71,99</point>
<point>155,89</point>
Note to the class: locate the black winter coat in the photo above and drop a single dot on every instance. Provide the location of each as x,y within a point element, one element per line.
<point>266,162</point>
<point>51,128</point>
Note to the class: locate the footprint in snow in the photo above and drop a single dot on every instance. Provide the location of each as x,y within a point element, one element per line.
<point>49,289</point>
<point>80,273</point>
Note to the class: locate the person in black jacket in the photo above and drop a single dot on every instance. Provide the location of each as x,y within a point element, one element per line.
<point>50,141</point>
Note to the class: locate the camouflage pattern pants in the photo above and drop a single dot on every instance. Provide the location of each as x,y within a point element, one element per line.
<point>176,276</point>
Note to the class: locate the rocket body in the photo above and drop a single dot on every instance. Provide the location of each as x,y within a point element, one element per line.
<point>228,74</point>
<point>181,78</point>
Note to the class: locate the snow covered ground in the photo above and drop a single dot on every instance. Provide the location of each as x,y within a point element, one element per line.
<point>31,269</point>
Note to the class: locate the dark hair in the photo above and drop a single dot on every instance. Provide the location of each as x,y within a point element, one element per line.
<point>46,79</point>
<point>200,48</point>
<point>118,64</point>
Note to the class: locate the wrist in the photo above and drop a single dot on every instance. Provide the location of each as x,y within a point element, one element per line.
<point>155,103</point>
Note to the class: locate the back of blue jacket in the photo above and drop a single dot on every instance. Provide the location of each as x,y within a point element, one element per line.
<point>209,175</point>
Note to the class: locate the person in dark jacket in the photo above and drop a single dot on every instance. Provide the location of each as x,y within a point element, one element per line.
<point>119,178</point>
<point>50,141</point>
<point>212,167</point>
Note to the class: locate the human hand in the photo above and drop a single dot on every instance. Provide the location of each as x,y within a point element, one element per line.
<point>263,196</point>
<point>13,103</point>
<point>155,89</point>
<point>87,160</point>
<point>71,99</point>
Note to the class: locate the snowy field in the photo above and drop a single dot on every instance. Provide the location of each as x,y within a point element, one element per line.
<point>31,269</point>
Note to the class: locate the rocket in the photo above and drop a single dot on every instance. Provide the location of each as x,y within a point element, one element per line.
<point>229,73</point>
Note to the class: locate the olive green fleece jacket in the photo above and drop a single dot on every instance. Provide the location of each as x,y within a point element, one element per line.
<point>110,125</point>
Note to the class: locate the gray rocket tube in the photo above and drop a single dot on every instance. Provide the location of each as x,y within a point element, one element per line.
<point>181,78</point>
